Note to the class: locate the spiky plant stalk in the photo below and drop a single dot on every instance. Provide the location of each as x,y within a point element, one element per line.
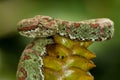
<point>68,60</point>
<point>59,50</point>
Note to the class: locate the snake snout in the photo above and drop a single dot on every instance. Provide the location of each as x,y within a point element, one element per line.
<point>38,26</point>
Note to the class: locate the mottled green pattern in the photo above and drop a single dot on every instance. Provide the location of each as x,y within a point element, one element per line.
<point>60,62</point>
<point>85,32</point>
<point>88,30</point>
<point>31,62</point>
<point>40,43</point>
<point>32,67</point>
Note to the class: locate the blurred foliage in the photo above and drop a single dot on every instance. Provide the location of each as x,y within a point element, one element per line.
<point>12,44</point>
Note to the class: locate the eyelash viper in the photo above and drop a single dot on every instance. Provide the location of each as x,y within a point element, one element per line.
<point>59,49</point>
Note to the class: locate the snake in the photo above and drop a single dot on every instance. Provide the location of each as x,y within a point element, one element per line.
<point>51,35</point>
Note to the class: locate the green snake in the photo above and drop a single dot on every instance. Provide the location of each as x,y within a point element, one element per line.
<point>42,28</point>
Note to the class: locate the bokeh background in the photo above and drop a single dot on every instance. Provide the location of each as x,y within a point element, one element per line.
<point>12,44</point>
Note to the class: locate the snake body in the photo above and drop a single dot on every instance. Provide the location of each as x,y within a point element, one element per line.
<point>89,30</point>
<point>58,42</point>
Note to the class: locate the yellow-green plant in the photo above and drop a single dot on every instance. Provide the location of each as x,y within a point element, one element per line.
<point>59,49</point>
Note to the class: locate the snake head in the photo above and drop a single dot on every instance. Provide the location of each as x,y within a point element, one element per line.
<point>38,26</point>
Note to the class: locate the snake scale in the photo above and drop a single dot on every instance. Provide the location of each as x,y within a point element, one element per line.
<point>59,49</point>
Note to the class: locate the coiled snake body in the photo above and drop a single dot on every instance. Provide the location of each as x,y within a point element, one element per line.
<point>59,50</point>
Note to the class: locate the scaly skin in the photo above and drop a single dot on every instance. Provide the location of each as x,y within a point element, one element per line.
<point>89,30</point>
<point>31,62</point>
<point>59,50</point>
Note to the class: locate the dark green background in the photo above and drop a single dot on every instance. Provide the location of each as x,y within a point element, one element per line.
<point>12,44</point>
